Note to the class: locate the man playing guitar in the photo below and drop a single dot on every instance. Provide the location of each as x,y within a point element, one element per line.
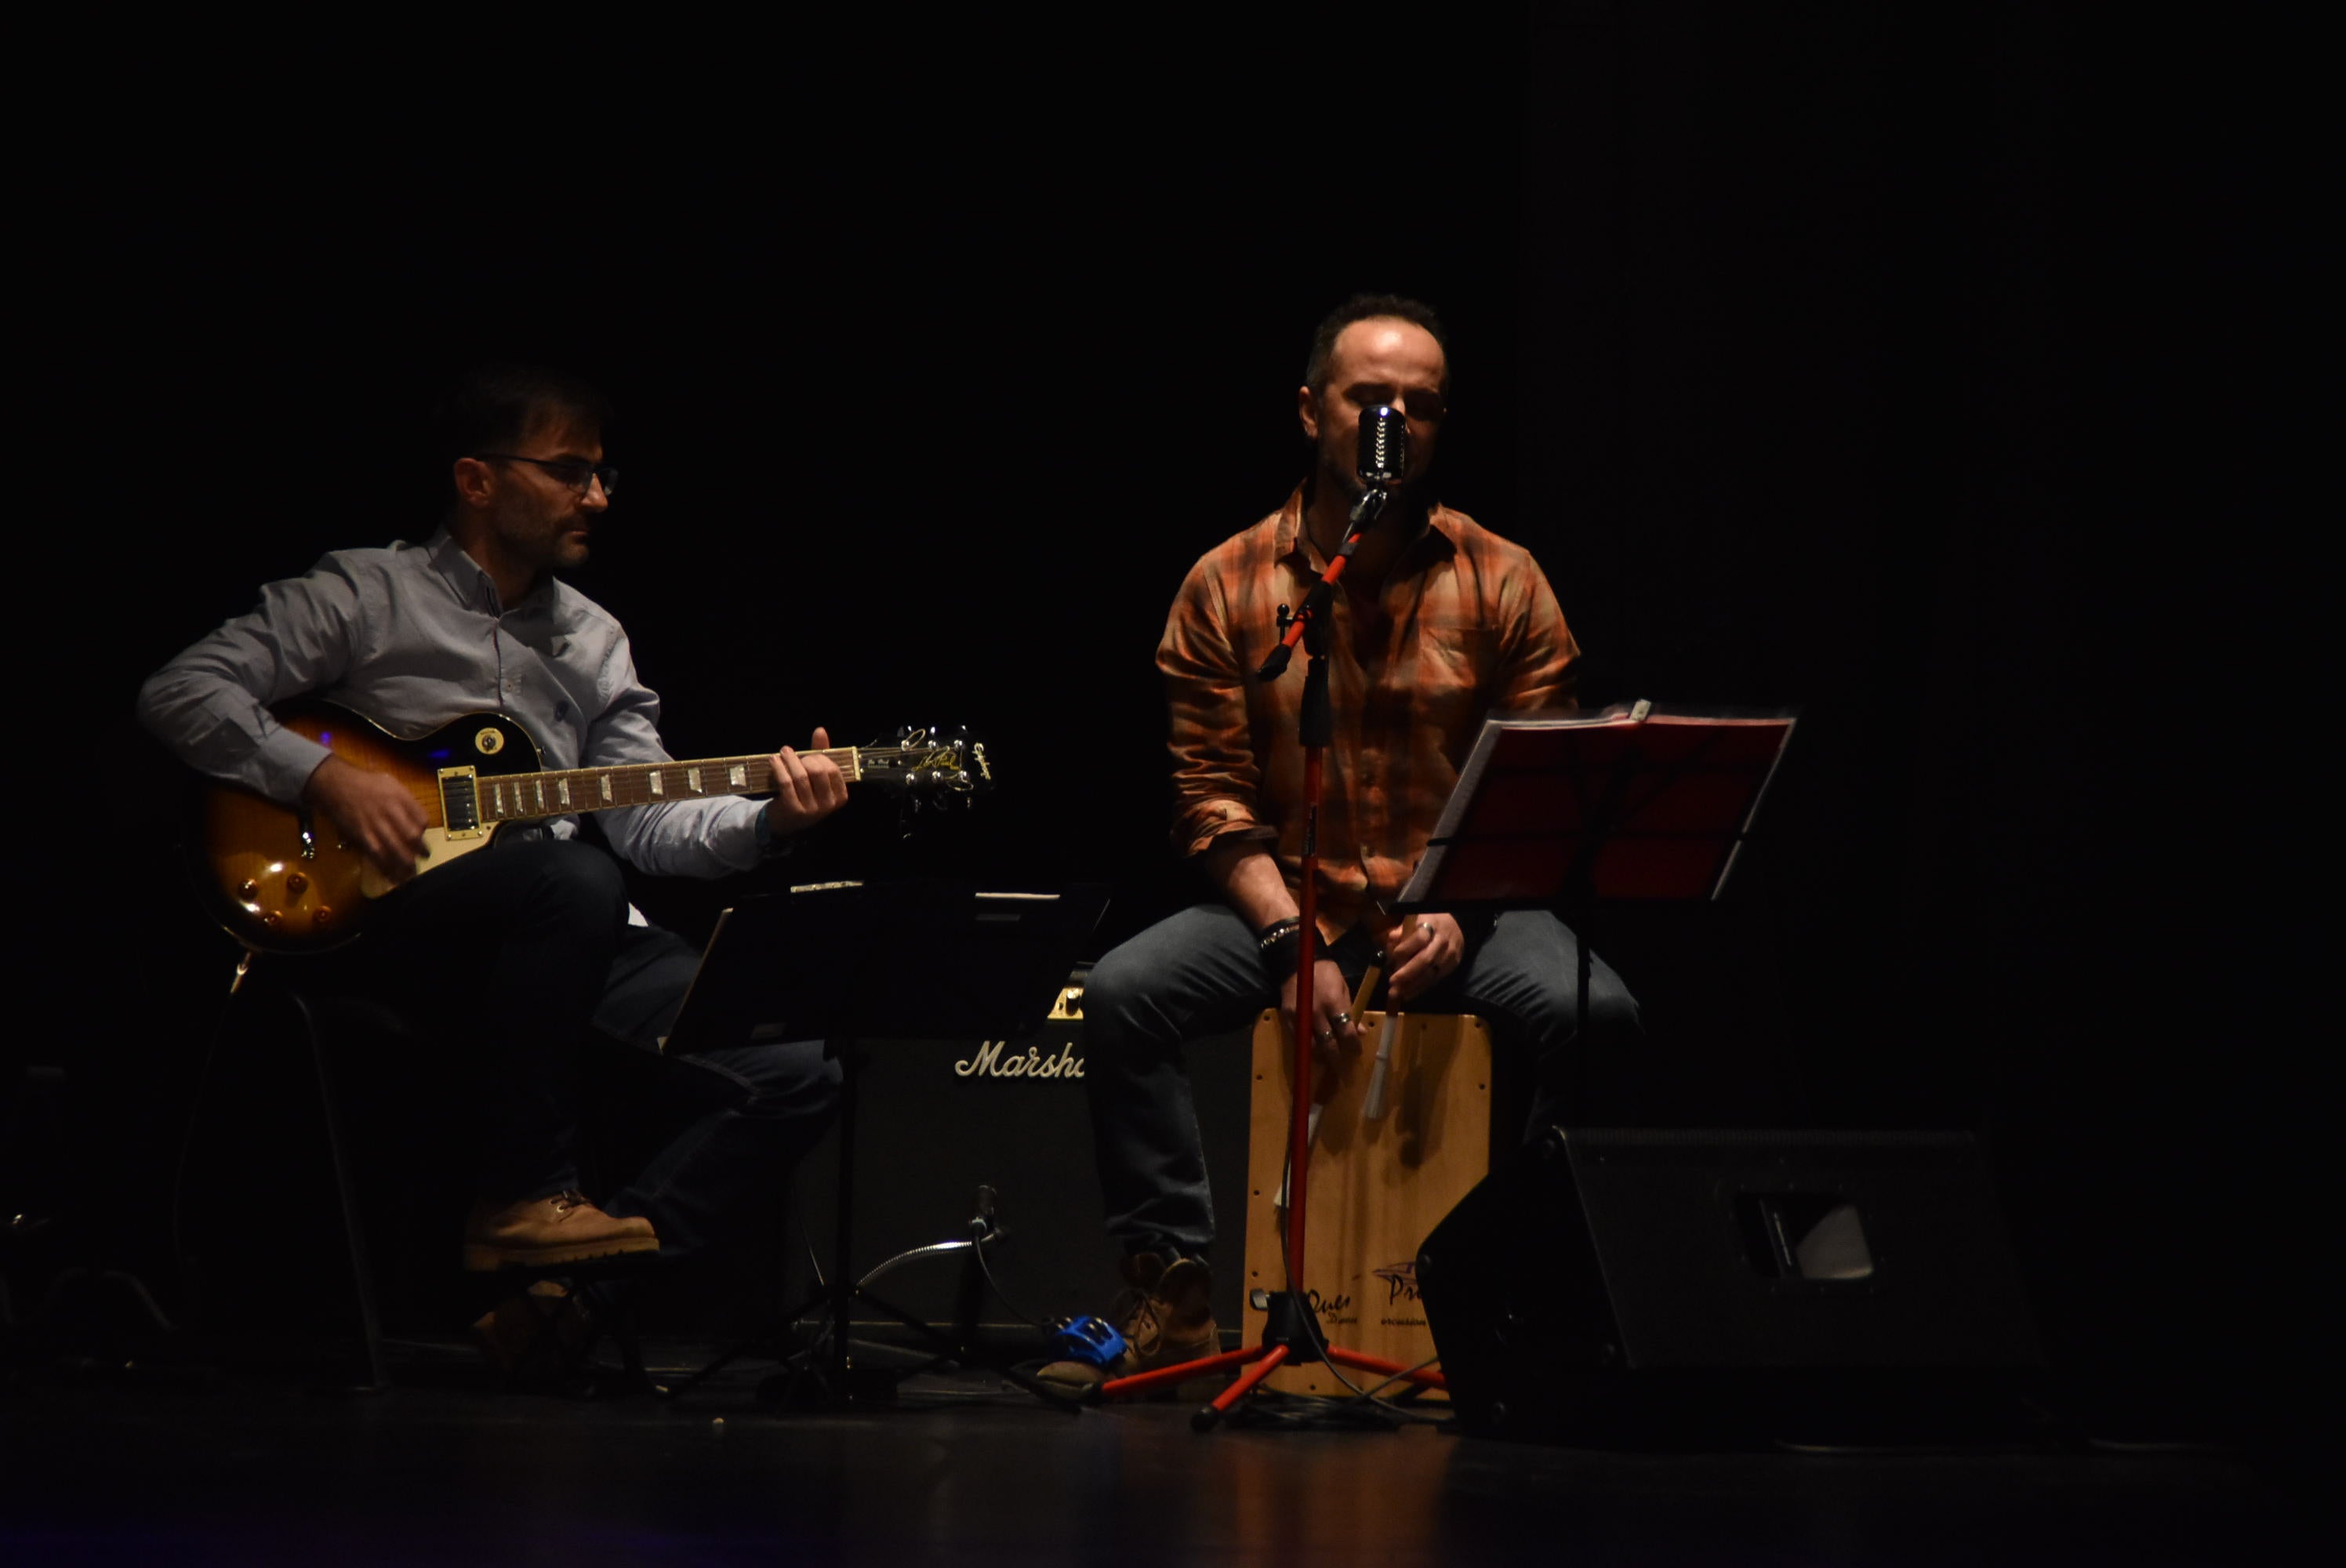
<point>514,951</point>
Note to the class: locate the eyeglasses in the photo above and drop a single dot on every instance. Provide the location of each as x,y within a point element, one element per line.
<point>575,472</point>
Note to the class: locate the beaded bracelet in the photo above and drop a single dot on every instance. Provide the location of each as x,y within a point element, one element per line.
<point>1278,942</point>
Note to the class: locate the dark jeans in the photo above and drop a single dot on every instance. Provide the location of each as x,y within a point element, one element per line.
<point>520,956</point>
<point>1199,973</point>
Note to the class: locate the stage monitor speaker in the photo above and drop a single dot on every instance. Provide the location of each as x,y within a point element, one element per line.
<point>1605,1278</point>
<point>939,1118</point>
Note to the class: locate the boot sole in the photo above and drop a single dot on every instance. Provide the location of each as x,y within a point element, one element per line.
<point>480,1258</point>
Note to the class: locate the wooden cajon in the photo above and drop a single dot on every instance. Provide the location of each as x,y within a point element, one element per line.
<point>1374,1188</point>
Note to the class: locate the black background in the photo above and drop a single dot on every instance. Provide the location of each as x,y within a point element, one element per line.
<point>1936,373</point>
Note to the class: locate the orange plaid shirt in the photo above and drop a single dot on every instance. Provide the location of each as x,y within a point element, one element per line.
<point>1465,625</point>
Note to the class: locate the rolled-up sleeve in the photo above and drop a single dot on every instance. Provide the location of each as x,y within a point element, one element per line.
<point>1215,773</point>
<point>210,704</point>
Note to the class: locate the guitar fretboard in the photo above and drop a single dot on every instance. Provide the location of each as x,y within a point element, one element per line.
<point>521,796</point>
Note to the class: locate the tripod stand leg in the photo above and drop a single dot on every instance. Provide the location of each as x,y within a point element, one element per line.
<point>1359,1362</point>
<point>1141,1383</point>
<point>1209,1415</point>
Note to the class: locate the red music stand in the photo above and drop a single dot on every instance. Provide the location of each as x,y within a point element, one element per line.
<point>1635,802</point>
<point>1561,812</point>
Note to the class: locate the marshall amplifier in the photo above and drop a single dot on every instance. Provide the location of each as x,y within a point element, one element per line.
<point>1611,1282</point>
<point>939,1119</point>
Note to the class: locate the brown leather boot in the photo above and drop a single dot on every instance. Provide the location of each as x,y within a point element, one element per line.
<point>1167,1317</point>
<point>542,1232</point>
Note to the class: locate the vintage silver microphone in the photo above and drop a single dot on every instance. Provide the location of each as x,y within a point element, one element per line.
<point>1385,446</point>
<point>1384,454</point>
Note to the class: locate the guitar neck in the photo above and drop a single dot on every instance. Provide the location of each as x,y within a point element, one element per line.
<point>566,792</point>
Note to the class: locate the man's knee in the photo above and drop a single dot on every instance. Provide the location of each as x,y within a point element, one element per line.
<point>809,1086</point>
<point>1612,1010</point>
<point>1533,982</point>
<point>1117,986</point>
<point>1134,1001</point>
<point>1186,974</point>
<point>789,1079</point>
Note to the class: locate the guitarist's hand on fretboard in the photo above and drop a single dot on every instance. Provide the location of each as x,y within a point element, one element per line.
<point>375,810</point>
<point>806,789</point>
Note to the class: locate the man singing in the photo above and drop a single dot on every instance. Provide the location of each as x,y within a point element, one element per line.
<point>511,952</point>
<point>1436,622</point>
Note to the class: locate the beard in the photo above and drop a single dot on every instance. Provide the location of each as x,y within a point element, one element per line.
<point>540,540</point>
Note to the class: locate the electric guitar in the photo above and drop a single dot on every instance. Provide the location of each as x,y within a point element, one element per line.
<point>282,880</point>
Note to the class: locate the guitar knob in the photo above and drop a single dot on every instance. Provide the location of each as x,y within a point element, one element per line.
<point>248,889</point>
<point>321,915</point>
<point>272,918</point>
<point>297,885</point>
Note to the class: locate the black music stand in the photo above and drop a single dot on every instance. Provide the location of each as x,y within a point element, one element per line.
<point>1563,812</point>
<point>912,962</point>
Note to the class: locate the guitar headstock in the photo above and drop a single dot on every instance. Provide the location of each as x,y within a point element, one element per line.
<point>943,768</point>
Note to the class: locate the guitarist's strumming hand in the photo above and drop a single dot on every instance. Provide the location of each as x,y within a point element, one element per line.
<point>806,789</point>
<point>374,811</point>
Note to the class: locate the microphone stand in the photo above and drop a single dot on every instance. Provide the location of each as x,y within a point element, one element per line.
<point>1295,624</point>
<point>1291,1334</point>
<point>1315,728</point>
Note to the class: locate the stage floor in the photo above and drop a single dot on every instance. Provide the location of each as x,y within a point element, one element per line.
<point>442,1469</point>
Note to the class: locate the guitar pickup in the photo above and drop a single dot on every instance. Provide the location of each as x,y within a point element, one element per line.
<point>460,802</point>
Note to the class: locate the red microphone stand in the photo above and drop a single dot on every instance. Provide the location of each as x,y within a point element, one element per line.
<point>1291,1336</point>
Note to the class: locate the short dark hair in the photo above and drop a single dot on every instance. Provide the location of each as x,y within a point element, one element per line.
<point>496,406</point>
<point>1370,307</point>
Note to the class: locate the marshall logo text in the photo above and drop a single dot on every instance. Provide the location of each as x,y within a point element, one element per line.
<point>990,1063</point>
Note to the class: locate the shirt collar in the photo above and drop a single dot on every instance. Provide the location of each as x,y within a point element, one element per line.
<point>472,585</point>
<point>1289,538</point>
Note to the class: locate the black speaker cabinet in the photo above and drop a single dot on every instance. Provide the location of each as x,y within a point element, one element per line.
<point>1604,1280</point>
<point>939,1118</point>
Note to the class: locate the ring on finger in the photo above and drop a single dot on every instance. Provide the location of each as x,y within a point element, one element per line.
<point>1340,1018</point>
